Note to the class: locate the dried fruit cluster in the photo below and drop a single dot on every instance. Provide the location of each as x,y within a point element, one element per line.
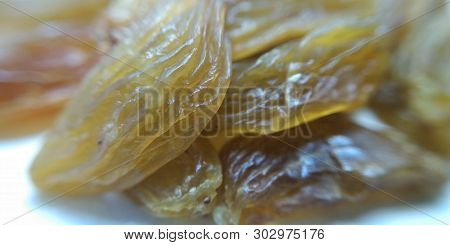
<point>41,63</point>
<point>243,108</point>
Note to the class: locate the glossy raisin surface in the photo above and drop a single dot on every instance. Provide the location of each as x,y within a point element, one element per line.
<point>331,165</point>
<point>184,187</point>
<point>128,118</point>
<point>333,69</point>
<point>255,26</point>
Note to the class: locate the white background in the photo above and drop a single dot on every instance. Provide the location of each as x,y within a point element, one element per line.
<point>18,196</point>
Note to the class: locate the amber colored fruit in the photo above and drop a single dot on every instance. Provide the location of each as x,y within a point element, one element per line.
<point>142,106</point>
<point>416,98</point>
<point>123,18</point>
<point>255,26</point>
<point>46,49</point>
<point>334,68</point>
<point>39,74</point>
<point>184,187</point>
<point>21,16</point>
<point>331,166</point>
<point>218,141</point>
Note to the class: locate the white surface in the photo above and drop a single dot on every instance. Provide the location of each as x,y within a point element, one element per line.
<point>18,197</point>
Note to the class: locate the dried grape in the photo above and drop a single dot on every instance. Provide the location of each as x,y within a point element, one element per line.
<point>20,16</point>
<point>416,97</point>
<point>41,62</point>
<point>287,175</point>
<point>257,25</point>
<point>122,124</point>
<point>186,186</point>
<point>39,74</point>
<point>334,68</point>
